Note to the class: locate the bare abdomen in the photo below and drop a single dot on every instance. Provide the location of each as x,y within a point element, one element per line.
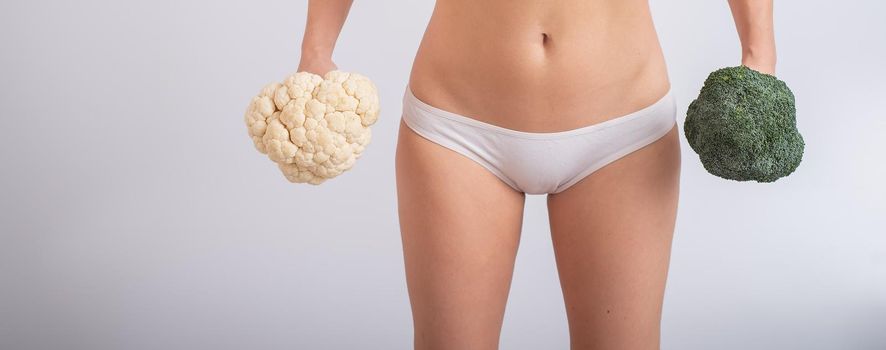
<point>537,66</point>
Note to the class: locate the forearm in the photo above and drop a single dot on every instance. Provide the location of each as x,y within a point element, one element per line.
<point>754,23</point>
<point>323,26</point>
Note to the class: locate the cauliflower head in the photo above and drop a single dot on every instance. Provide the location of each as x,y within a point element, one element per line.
<point>743,126</point>
<point>314,127</point>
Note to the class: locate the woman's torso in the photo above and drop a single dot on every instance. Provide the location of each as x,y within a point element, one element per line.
<point>490,60</point>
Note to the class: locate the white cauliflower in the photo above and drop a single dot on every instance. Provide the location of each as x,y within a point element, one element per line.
<point>314,127</point>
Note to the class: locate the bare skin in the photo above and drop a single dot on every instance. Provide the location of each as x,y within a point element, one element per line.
<point>538,66</point>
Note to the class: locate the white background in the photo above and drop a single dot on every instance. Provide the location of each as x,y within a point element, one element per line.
<point>136,214</point>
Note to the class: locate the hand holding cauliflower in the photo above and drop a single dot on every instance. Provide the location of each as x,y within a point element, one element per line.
<point>314,127</point>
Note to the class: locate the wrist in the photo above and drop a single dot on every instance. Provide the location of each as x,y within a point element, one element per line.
<point>760,59</point>
<point>758,52</point>
<point>321,52</point>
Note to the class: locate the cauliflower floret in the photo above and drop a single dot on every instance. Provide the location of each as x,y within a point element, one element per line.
<point>314,127</point>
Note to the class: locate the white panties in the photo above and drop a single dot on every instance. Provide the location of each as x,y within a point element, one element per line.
<point>539,163</point>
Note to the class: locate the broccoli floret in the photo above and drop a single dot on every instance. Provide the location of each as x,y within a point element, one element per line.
<point>743,126</point>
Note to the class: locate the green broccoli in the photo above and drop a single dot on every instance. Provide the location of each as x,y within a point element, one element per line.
<point>743,126</point>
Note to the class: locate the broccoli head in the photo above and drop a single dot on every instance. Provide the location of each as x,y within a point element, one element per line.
<point>743,126</point>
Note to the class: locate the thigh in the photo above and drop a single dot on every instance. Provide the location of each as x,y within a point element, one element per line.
<point>612,236</point>
<point>460,228</point>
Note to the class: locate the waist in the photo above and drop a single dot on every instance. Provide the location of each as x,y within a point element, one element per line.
<point>532,75</point>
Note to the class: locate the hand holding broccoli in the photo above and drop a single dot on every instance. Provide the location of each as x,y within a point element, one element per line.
<point>763,63</point>
<point>743,126</point>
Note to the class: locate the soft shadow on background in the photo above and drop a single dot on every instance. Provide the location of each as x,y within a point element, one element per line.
<point>136,214</point>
